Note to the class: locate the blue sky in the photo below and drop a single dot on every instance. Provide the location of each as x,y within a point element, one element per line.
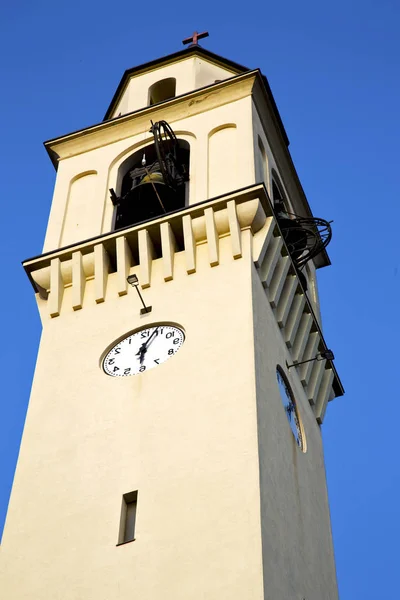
<point>333,69</point>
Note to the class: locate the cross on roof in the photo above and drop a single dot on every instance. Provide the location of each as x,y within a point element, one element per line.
<point>196,36</point>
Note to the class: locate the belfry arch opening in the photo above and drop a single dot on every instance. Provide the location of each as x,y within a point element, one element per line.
<point>153,180</point>
<point>280,202</point>
<point>162,90</point>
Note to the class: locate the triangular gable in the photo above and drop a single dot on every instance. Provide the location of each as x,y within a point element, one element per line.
<point>220,62</point>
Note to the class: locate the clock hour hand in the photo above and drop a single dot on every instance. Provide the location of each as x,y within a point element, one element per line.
<point>140,354</point>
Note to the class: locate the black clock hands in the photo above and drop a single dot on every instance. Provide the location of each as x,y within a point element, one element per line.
<point>150,339</point>
<point>143,348</point>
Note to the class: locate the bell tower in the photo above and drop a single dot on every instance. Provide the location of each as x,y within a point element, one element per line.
<point>172,446</point>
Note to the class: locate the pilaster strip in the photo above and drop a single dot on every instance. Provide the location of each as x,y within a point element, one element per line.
<point>267,231</point>
<point>56,287</point>
<point>212,237</point>
<point>294,319</point>
<point>101,269</point>
<point>190,246</point>
<point>315,380</point>
<point>302,336</point>
<point>321,401</point>
<point>278,281</point>
<point>146,255</point>
<point>234,229</point>
<point>271,258</point>
<point>78,280</point>
<point>286,299</point>
<point>168,248</point>
<point>309,352</point>
<point>124,263</point>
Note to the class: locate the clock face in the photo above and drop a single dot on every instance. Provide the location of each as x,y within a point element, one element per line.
<point>290,407</point>
<point>143,350</point>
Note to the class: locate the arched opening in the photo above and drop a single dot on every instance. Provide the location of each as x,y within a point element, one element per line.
<point>152,183</point>
<point>280,202</point>
<point>261,163</point>
<point>162,90</point>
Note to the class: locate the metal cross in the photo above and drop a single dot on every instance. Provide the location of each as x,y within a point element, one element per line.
<point>196,36</point>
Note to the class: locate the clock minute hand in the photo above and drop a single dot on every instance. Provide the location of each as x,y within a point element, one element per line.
<point>151,338</point>
<point>143,348</point>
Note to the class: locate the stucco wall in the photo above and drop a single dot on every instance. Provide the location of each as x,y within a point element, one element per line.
<point>183,435</point>
<point>297,544</point>
<point>228,507</point>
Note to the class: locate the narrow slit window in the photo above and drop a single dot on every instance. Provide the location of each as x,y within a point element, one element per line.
<point>128,518</point>
<point>261,164</point>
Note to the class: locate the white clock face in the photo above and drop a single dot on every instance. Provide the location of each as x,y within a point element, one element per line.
<point>143,350</point>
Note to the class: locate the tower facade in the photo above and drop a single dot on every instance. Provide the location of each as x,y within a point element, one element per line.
<point>172,446</point>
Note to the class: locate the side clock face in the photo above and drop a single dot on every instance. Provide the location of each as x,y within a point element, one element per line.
<point>143,350</point>
<point>291,409</point>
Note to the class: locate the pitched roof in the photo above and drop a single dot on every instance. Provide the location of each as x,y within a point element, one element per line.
<point>192,51</point>
<point>186,52</point>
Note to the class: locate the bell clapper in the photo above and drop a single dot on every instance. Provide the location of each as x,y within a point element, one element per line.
<point>154,187</point>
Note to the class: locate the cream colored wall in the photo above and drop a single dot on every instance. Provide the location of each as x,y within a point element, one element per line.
<point>203,438</point>
<point>199,131</point>
<point>228,506</point>
<point>80,206</point>
<point>207,73</point>
<point>184,435</point>
<point>297,544</point>
<point>190,74</point>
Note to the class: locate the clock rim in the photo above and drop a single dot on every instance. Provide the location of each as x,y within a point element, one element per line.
<point>303,446</point>
<point>135,330</point>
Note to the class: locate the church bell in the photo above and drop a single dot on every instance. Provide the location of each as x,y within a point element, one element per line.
<point>155,185</point>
